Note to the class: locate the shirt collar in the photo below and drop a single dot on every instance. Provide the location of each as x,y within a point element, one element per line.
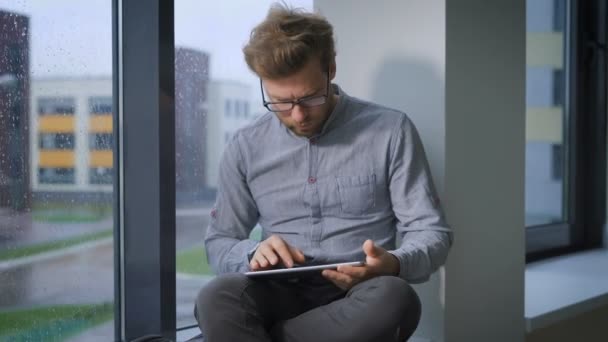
<point>338,110</point>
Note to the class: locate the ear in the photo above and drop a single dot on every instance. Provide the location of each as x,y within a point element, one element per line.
<point>332,70</point>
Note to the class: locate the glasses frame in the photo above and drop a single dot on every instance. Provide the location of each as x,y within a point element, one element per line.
<point>301,101</point>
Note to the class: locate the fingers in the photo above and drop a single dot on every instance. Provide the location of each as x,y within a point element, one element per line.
<point>297,255</point>
<point>280,247</point>
<point>341,280</point>
<point>274,250</point>
<point>360,272</point>
<point>346,277</point>
<point>259,260</point>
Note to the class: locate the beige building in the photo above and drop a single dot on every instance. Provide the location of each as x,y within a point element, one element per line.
<point>229,110</point>
<point>71,135</point>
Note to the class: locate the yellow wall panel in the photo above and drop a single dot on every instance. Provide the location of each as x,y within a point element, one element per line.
<point>101,124</point>
<point>56,124</point>
<point>56,158</point>
<point>101,158</point>
<point>544,124</point>
<point>545,49</point>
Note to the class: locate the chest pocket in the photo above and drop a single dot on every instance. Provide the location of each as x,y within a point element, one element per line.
<point>357,193</point>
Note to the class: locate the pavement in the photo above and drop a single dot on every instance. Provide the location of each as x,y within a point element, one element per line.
<point>83,274</point>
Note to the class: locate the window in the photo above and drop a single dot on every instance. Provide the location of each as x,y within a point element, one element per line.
<point>227,108</point>
<point>59,141</point>
<point>101,175</point>
<point>565,127</point>
<point>557,162</point>
<point>56,106</point>
<point>56,249</point>
<point>101,141</point>
<point>100,105</point>
<point>56,175</point>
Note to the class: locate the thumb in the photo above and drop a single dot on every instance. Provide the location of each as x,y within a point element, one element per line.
<point>371,250</point>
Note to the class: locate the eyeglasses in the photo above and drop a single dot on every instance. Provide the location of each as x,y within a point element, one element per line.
<point>286,106</point>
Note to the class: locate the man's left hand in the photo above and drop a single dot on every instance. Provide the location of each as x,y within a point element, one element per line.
<point>378,262</point>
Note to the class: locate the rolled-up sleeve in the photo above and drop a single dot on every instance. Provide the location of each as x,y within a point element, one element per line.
<point>426,237</point>
<point>233,216</point>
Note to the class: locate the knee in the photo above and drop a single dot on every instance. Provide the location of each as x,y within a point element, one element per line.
<point>221,290</point>
<point>402,296</point>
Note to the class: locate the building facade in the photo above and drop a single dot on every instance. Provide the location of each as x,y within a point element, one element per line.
<point>545,111</point>
<point>229,110</point>
<point>71,135</point>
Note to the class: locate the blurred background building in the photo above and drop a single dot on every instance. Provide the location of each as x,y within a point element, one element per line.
<point>191,92</point>
<point>73,117</point>
<point>545,105</point>
<point>231,110</point>
<point>14,92</point>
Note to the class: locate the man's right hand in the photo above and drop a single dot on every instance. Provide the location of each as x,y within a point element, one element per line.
<point>274,250</point>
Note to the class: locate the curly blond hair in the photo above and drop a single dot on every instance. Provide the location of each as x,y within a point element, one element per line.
<point>286,40</point>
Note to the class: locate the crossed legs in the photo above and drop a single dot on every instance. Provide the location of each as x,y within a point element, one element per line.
<point>233,307</point>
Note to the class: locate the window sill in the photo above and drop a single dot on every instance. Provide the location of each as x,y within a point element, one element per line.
<point>187,334</point>
<point>564,287</point>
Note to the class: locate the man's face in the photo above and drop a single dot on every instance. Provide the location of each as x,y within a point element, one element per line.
<point>310,81</point>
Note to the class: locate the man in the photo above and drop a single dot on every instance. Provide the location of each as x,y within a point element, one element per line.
<point>329,178</point>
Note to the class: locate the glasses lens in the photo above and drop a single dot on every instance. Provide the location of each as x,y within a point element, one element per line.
<point>279,106</point>
<point>313,101</point>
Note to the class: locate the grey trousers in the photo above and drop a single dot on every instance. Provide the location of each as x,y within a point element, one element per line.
<point>233,308</point>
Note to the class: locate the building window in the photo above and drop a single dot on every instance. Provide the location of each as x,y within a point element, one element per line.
<point>51,175</point>
<point>557,162</point>
<point>56,141</point>
<point>100,141</point>
<point>56,106</point>
<point>100,175</point>
<point>100,105</point>
<point>246,104</point>
<point>227,107</point>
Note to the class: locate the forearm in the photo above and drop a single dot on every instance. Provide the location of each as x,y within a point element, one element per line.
<point>228,255</point>
<point>422,253</point>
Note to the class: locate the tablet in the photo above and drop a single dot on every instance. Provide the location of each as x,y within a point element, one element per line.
<point>299,271</point>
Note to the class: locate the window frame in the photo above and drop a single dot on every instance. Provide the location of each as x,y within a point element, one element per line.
<point>584,179</point>
<point>144,172</point>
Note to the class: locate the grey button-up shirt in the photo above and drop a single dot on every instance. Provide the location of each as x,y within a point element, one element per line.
<point>364,176</point>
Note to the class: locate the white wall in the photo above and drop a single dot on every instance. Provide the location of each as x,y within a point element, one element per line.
<point>393,52</point>
<point>458,69</point>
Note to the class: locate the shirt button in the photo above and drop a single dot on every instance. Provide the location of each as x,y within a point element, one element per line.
<point>312,180</point>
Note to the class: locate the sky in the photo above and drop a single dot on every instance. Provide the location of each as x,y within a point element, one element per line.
<point>73,37</point>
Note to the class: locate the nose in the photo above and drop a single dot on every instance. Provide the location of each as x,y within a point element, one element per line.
<point>298,114</point>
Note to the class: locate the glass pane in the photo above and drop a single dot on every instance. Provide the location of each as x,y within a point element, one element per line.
<point>56,220</point>
<point>546,71</point>
<point>215,95</point>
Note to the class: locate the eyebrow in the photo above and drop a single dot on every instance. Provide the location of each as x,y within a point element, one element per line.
<point>312,93</point>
